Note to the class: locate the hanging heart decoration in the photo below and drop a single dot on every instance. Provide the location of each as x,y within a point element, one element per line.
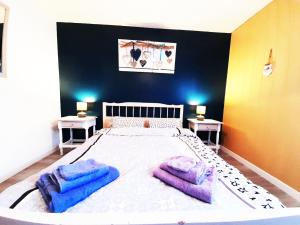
<point>168,53</point>
<point>169,60</point>
<point>159,64</point>
<point>126,58</point>
<point>268,69</point>
<point>146,54</point>
<point>133,63</point>
<point>143,62</point>
<point>135,53</point>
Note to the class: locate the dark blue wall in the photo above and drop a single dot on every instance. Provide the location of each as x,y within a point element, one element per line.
<point>88,66</point>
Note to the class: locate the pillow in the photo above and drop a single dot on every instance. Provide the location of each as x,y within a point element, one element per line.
<point>146,123</point>
<point>107,123</point>
<point>119,122</point>
<point>165,122</point>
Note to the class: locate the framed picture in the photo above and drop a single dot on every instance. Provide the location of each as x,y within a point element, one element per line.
<point>146,56</point>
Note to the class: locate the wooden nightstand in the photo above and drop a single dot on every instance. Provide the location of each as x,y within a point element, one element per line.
<point>74,122</point>
<point>207,125</point>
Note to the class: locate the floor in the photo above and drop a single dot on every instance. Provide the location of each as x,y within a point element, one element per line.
<point>285,198</point>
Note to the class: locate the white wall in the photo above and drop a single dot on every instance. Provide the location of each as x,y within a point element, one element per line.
<point>203,15</point>
<point>2,12</point>
<point>29,95</point>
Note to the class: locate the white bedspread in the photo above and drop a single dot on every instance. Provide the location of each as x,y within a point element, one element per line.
<point>135,152</point>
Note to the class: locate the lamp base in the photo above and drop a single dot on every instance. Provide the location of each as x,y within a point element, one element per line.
<point>200,117</point>
<point>81,114</point>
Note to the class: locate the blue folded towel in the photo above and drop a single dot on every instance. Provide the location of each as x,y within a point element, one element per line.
<point>79,169</point>
<point>60,202</point>
<point>66,185</point>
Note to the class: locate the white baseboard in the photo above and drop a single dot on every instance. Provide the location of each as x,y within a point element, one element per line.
<point>286,188</point>
<point>25,165</point>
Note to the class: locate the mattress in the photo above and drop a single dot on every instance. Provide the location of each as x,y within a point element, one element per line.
<point>136,152</point>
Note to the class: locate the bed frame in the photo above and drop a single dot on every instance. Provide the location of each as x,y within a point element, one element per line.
<point>287,216</point>
<point>142,109</point>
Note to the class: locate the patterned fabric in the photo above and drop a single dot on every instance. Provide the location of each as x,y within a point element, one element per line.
<point>165,122</point>
<point>254,195</point>
<point>120,122</point>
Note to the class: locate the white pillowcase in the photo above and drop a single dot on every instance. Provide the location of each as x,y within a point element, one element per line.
<point>165,122</point>
<point>119,122</point>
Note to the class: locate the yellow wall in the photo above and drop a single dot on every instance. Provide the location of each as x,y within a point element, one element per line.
<point>262,114</point>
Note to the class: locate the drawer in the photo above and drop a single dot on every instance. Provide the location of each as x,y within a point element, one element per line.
<point>65,124</point>
<point>213,127</point>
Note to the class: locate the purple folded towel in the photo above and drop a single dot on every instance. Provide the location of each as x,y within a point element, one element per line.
<point>79,169</point>
<point>202,192</point>
<point>181,163</point>
<point>195,175</point>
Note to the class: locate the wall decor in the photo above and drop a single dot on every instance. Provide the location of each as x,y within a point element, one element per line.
<point>3,28</point>
<point>268,68</point>
<point>92,71</point>
<point>146,56</point>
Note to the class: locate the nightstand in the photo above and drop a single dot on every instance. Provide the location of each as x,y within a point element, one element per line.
<point>207,125</point>
<point>74,122</point>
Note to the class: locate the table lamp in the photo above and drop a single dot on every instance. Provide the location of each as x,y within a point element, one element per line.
<point>200,112</point>
<point>192,110</point>
<point>81,107</point>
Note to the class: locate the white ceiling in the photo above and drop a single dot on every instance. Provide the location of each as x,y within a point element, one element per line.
<point>201,15</point>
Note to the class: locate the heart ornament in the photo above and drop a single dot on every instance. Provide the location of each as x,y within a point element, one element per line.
<point>126,58</point>
<point>135,53</point>
<point>267,71</point>
<point>168,53</point>
<point>268,68</point>
<point>146,54</point>
<point>133,63</point>
<point>169,60</point>
<point>143,62</point>
<point>159,64</point>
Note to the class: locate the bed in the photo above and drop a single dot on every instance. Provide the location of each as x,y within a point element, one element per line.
<point>136,197</point>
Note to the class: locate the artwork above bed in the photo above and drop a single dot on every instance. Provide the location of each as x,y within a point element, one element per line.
<point>146,56</point>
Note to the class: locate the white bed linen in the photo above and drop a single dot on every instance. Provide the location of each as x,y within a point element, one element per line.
<point>135,152</point>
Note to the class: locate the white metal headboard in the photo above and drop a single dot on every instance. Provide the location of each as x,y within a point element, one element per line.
<point>156,107</point>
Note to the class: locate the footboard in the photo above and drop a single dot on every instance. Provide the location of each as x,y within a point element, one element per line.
<point>289,216</point>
